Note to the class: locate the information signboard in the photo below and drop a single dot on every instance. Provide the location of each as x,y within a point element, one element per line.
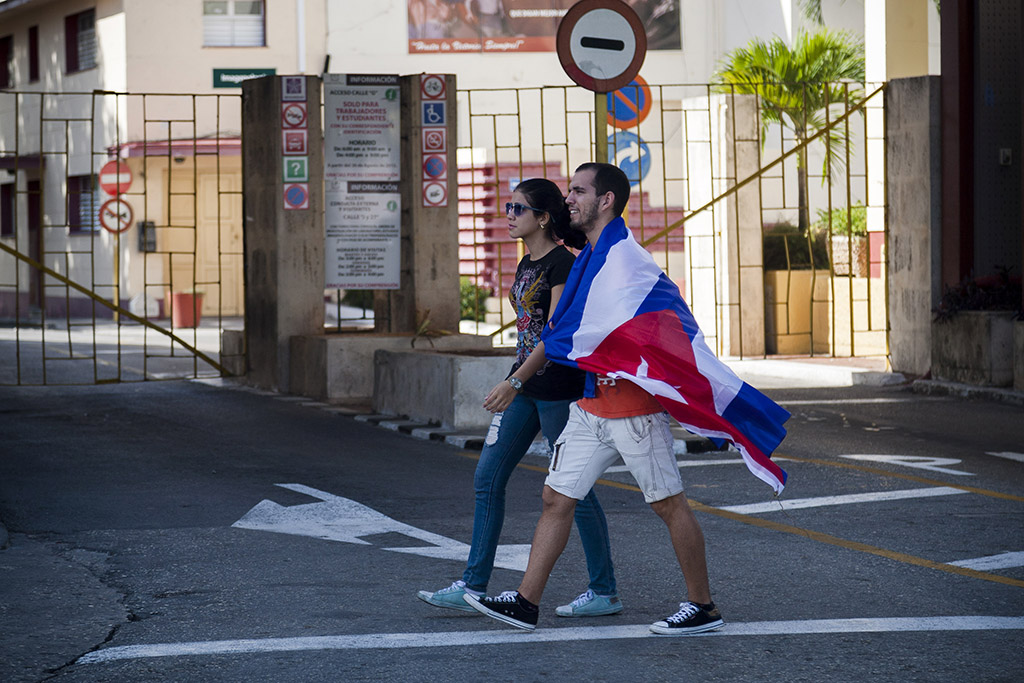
<point>362,167</point>
<point>364,229</point>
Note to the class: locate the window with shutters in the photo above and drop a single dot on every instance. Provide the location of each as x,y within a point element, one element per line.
<point>80,41</point>
<point>83,204</point>
<point>233,23</point>
<point>33,54</point>
<point>6,59</point>
<point>7,210</point>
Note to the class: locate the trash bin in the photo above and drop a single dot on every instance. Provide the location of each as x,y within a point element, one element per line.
<point>186,309</point>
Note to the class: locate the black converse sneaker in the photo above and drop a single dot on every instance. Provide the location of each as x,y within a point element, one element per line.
<point>691,618</point>
<point>508,607</point>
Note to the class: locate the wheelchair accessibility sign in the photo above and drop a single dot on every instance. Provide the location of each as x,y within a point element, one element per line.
<point>433,114</point>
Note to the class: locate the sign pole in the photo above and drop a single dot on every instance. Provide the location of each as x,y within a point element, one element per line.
<point>601,45</point>
<point>601,127</point>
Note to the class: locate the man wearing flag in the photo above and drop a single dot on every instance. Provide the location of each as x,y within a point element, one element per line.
<point>621,319</point>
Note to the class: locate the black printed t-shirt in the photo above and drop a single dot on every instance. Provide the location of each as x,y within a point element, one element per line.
<point>530,296</point>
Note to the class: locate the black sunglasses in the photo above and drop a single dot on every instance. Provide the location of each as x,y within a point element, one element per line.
<point>518,208</point>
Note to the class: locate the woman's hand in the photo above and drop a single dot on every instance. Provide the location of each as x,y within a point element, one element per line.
<point>500,397</point>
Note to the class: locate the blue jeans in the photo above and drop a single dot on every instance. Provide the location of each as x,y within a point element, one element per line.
<point>509,438</point>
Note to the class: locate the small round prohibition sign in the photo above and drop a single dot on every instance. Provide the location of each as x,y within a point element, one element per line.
<point>293,115</point>
<point>116,215</point>
<point>601,44</point>
<point>434,166</point>
<point>295,195</point>
<point>433,87</point>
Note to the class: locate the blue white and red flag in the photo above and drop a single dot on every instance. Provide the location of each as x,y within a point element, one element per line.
<point>621,316</point>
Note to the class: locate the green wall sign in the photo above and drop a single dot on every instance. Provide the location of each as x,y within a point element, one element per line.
<point>232,78</point>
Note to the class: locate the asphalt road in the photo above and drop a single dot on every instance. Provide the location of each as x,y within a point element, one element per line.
<point>177,531</point>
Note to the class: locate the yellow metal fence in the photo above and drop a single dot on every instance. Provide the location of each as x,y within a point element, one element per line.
<point>121,253</point>
<point>776,237</point>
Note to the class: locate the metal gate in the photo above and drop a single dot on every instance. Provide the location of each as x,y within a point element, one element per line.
<point>777,240</point>
<point>121,254</point>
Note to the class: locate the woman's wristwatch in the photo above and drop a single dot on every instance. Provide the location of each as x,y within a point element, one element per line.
<point>515,383</point>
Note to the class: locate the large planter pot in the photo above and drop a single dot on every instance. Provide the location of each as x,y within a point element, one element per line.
<point>186,309</point>
<point>974,347</point>
<point>796,322</point>
<point>850,255</point>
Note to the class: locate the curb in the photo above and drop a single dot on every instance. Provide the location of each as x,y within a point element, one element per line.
<point>935,387</point>
<point>824,375</point>
<point>685,442</point>
<point>472,439</point>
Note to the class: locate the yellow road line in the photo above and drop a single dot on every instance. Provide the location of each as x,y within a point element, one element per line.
<point>899,475</point>
<point>828,538</point>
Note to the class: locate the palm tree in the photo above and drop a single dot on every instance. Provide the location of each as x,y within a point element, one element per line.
<point>796,86</point>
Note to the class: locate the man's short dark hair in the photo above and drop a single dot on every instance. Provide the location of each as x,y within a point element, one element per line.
<point>609,178</point>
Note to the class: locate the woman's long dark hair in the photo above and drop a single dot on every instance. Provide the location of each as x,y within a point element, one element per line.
<point>543,194</point>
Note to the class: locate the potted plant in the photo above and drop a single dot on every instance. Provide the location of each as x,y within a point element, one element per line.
<point>973,330</point>
<point>795,275</point>
<point>846,229</point>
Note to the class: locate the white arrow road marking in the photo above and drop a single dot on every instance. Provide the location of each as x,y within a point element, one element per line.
<point>387,641</point>
<point>1009,455</point>
<point>1000,561</point>
<point>917,461</point>
<point>823,501</point>
<point>346,521</point>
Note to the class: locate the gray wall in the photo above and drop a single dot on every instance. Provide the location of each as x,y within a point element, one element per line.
<point>913,192</point>
<point>284,249</point>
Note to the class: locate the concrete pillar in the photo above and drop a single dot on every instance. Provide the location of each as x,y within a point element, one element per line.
<point>914,191</point>
<point>742,252</point>
<point>284,247</point>
<point>430,234</point>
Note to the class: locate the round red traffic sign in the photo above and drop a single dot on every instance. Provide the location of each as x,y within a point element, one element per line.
<point>115,177</point>
<point>293,115</point>
<point>435,193</point>
<point>432,86</point>
<point>601,44</point>
<point>116,215</point>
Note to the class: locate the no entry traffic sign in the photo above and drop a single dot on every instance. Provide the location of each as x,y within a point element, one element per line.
<point>115,177</point>
<point>601,44</point>
<point>116,215</point>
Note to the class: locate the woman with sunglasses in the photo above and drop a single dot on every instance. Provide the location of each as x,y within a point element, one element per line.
<point>538,403</point>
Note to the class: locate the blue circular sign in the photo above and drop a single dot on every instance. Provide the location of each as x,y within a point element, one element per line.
<point>434,166</point>
<point>627,151</point>
<point>629,105</point>
<point>295,195</point>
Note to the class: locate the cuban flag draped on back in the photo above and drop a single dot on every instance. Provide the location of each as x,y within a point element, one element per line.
<point>621,316</point>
